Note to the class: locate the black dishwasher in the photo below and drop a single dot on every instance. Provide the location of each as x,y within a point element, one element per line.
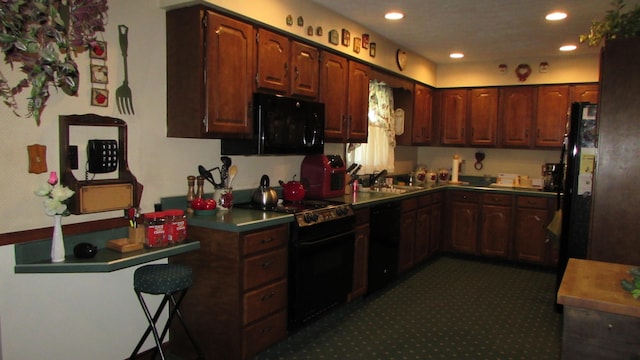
<point>384,243</point>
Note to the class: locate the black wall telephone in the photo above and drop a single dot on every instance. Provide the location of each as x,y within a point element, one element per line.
<point>102,156</point>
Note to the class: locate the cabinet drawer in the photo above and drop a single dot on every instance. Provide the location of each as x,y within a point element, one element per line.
<point>424,200</point>
<point>465,196</point>
<point>263,268</point>
<point>497,199</point>
<point>533,202</point>
<point>409,204</point>
<point>264,301</point>
<point>263,334</point>
<point>437,197</point>
<point>265,239</point>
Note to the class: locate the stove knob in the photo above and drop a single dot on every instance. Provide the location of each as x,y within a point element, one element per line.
<point>341,211</point>
<point>310,217</point>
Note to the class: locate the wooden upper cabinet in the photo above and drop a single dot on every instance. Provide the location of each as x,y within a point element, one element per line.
<point>334,80</point>
<point>422,128</point>
<point>551,115</point>
<point>453,116</point>
<point>286,67</point>
<point>209,89</point>
<point>585,93</point>
<point>305,65</point>
<point>358,104</point>
<point>273,61</point>
<point>483,116</point>
<point>516,115</point>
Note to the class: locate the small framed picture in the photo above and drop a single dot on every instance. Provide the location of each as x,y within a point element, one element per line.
<point>99,97</point>
<point>319,31</point>
<point>346,37</point>
<point>334,38</point>
<point>99,74</point>
<point>98,50</point>
<point>372,49</point>
<point>356,45</point>
<point>310,30</point>
<point>365,41</point>
<point>300,21</point>
<point>289,20</point>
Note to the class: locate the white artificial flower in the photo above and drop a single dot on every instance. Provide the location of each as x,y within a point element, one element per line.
<point>61,193</point>
<point>43,190</point>
<point>55,198</point>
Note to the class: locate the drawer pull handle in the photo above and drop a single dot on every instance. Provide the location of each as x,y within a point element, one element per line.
<point>267,240</point>
<point>266,330</point>
<point>267,264</point>
<point>610,327</point>
<point>266,297</point>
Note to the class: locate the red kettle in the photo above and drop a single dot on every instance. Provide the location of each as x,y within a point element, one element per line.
<point>293,190</point>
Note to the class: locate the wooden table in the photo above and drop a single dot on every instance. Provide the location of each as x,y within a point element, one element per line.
<point>601,320</point>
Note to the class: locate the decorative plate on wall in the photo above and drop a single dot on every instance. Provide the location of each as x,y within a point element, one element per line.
<point>401,59</point>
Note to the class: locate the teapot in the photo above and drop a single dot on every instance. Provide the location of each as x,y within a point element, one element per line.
<point>293,190</point>
<point>265,196</point>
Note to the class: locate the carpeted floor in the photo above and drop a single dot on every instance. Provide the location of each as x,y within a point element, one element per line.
<point>449,308</point>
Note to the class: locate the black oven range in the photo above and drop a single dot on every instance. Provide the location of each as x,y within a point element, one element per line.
<point>321,251</point>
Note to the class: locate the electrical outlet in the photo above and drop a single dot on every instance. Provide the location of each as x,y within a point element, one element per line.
<point>73,157</point>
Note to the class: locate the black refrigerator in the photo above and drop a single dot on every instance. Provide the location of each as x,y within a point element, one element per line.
<point>578,156</point>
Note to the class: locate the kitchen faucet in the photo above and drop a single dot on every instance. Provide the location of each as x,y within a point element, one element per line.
<point>373,178</point>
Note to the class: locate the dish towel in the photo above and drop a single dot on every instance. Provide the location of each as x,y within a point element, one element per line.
<point>554,229</point>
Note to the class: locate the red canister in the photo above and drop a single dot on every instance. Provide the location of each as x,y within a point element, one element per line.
<point>154,226</point>
<point>175,226</point>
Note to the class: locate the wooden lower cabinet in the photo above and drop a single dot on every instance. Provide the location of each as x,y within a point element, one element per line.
<point>463,228</point>
<point>361,254</point>
<point>496,225</point>
<point>407,234</point>
<point>237,305</point>
<point>435,223</point>
<point>532,218</point>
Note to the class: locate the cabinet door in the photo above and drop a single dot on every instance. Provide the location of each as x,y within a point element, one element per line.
<point>551,115</point>
<point>464,224</point>
<point>423,234</point>
<point>230,73</point>
<point>483,114</point>
<point>585,93</point>
<point>516,116</point>
<point>358,102</point>
<point>360,261</point>
<point>530,234</point>
<point>495,235</point>
<point>435,231</point>
<point>453,116</point>
<point>273,61</point>
<point>422,115</point>
<point>407,240</point>
<point>334,80</point>
<point>304,67</point>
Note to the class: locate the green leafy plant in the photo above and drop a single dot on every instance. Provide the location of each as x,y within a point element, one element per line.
<point>616,24</point>
<point>41,36</point>
<point>633,285</point>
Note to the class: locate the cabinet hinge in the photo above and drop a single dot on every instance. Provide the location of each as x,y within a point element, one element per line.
<point>205,124</point>
<point>257,37</point>
<point>204,21</point>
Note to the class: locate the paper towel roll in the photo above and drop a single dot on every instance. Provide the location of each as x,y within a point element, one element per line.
<point>455,168</point>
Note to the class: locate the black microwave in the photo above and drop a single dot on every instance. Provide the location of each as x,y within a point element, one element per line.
<point>282,126</point>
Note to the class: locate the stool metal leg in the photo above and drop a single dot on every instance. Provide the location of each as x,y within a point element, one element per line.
<point>151,327</point>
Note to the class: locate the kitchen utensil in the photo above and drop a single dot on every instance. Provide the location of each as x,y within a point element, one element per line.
<point>264,196</point>
<point>207,174</point>
<point>293,190</point>
<point>351,168</point>
<point>233,171</point>
<point>224,170</point>
<point>124,99</point>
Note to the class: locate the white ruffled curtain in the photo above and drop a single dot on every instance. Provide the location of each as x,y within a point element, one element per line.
<point>378,153</point>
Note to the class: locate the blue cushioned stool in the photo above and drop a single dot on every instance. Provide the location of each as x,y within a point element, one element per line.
<point>172,281</point>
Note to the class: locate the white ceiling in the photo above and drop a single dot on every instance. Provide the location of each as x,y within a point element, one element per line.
<point>484,30</point>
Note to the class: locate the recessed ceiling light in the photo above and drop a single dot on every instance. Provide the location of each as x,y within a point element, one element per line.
<point>568,47</point>
<point>456,55</point>
<point>393,15</point>
<point>556,15</point>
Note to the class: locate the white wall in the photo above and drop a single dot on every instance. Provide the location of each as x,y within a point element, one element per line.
<point>96,316</point>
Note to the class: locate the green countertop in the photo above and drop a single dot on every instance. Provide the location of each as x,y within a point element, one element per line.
<point>34,256</point>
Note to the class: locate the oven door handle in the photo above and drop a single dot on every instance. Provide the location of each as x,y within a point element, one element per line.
<point>331,239</point>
